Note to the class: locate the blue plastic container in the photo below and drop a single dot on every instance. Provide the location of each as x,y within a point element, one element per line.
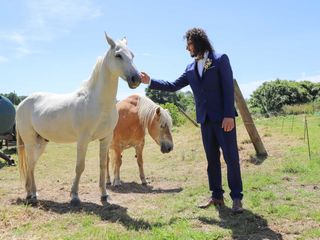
<point>7,115</point>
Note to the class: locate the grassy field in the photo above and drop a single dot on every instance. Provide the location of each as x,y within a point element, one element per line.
<point>281,192</point>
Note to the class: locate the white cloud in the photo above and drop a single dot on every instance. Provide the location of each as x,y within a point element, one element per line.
<point>14,37</point>
<point>22,51</point>
<point>46,20</point>
<point>3,59</point>
<point>54,17</point>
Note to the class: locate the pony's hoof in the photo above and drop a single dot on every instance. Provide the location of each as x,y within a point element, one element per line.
<point>75,202</point>
<point>108,184</point>
<point>116,183</point>
<point>104,199</point>
<point>144,183</point>
<point>31,200</point>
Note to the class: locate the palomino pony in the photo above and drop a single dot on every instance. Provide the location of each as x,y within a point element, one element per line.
<point>136,114</point>
<point>82,116</point>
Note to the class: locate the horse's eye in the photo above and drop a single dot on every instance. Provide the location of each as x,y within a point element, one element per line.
<point>118,56</point>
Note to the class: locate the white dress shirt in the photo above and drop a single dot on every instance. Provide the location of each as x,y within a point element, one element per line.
<point>201,62</point>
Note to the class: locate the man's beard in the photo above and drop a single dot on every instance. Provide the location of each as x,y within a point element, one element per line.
<point>194,54</point>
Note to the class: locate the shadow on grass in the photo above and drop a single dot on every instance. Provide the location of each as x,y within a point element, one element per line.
<point>110,212</point>
<point>134,187</point>
<point>2,163</point>
<point>243,226</point>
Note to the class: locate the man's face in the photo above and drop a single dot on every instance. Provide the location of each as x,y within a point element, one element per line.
<point>190,48</point>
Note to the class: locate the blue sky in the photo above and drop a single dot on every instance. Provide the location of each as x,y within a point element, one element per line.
<point>52,45</point>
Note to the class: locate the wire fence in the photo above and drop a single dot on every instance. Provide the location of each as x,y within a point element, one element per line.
<point>302,127</point>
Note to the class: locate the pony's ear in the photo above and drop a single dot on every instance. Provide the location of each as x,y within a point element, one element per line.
<point>158,112</point>
<point>124,41</point>
<point>110,40</point>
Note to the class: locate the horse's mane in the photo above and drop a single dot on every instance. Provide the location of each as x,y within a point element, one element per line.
<point>147,109</point>
<point>94,75</point>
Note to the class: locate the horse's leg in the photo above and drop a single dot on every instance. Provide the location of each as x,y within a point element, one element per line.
<point>104,149</point>
<point>29,174</point>
<point>139,149</point>
<point>117,160</point>
<point>82,147</point>
<point>108,182</point>
<point>33,152</point>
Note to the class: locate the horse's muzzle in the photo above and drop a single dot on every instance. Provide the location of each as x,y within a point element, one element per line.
<point>166,147</point>
<point>134,81</point>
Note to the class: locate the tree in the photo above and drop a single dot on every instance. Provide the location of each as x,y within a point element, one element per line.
<point>177,118</point>
<point>184,100</point>
<point>271,96</point>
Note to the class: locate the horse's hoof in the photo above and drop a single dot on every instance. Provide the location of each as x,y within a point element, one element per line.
<point>116,183</point>
<point>108,184</point>
<point>144,183</point>
<point>75,202</point>
<point>31,200</point>
<point>104,199</point>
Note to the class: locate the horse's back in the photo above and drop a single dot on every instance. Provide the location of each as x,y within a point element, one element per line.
<point>129,131</point>
<point>47,115</point>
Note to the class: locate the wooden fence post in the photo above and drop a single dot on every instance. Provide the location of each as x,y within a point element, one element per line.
<point>306,131</point>
<point>248,122</point>
<point>188,117</point>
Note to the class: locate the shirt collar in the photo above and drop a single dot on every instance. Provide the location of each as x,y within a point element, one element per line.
<point>205,56</point>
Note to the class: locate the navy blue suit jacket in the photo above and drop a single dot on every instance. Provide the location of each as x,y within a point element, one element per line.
<point>213,92</point>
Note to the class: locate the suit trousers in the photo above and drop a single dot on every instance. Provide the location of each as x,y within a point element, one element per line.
<point>215,138</point>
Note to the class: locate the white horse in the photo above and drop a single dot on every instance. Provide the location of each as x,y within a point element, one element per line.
<point>82,116</point>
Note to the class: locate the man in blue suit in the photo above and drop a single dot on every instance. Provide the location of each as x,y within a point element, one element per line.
<point>211,80</point>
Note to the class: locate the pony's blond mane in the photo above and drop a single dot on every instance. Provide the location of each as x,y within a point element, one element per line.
<point>147,109</point>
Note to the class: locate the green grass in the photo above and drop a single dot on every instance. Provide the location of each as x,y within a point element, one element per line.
<point>281,192</point>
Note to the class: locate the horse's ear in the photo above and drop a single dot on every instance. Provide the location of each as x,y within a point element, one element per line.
<point>110,40</point>
<point>158,112</point>
<point>124,40</point>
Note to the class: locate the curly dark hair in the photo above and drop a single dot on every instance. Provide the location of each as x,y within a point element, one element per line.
<point>200,40</point>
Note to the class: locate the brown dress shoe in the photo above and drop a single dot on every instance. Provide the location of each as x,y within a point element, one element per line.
<point>237,206</point>
<point>212,201</point>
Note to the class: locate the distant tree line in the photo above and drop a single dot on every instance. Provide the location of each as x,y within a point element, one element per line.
<point>13,97</point>
<point>271,97</point>
<point>173,101</point>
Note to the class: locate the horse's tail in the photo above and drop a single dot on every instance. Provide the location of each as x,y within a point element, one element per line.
<point>21,155</point>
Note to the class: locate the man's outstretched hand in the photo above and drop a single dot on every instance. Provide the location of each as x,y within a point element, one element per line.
<point>145,78</point>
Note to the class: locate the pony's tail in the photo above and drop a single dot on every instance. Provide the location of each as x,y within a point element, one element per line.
<point>21,155</point>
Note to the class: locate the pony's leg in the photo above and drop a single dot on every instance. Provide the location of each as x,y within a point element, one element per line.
<point>33,152</point>
<point>139,149</point>
<point>104,149</point>
<point>117,160</point>
<point>108,182</point>
<point>108,169</point>
<point>82,147</point>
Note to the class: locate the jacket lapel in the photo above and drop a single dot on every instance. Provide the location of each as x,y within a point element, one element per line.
<point>209,59</point>
<point>196,72</point>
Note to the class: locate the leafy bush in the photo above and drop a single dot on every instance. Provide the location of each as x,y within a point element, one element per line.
<point>270,97</point>
<point>177,118</point>
<point>307,108</point>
